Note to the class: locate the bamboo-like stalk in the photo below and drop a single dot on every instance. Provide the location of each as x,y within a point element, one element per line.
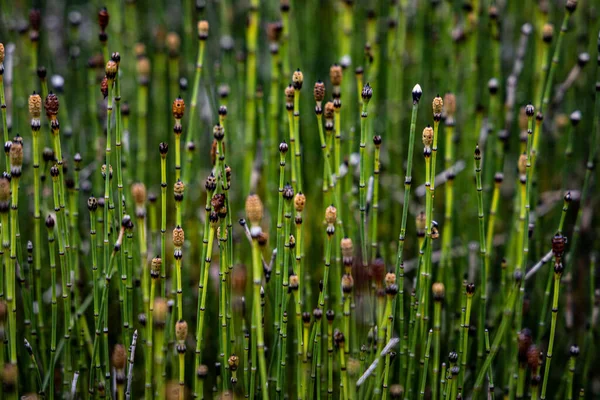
<point>52,108</point>
<point>367,93</point>
<point>66,292</point>
<point>558,246</point>
<point>289,106</point>
<point>254,211</point>
<point>425,367</point>
<point>283,148</point>
<point>446,259</point>
<point>213,221</point>
<point>3,105</point>
<point>181,330</point>
<point>155,268</point>
<point>50,225</point>
<point>224,342</point>
<point>297,80</point>
<point>506,320</point>
<point>470,289</point>
<point>375,212</point>
<point>160,319</point>
<point>104,315</point>
<point>391,291</point>
<point>482,256</point>
<point>92,204</point>
<point>289,246</point>
<point>573,352</point>
<point>250,89</point>
<point>491,395</point>
<point>330,315</point>
<point>143,71</point>
<point>35,106</point>
<point>163,148</point>
<point>439,291</point>
<point>210,186</point>
<point>416,96</point>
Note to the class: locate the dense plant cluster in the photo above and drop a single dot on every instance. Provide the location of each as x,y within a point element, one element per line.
<point>299,199</point>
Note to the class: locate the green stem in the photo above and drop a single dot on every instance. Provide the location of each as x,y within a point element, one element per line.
<point>557,275</point>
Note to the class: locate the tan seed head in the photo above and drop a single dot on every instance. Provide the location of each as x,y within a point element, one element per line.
<point>181,330</point>
<point>331,215</point>
<point>35,106</point>
<point>138,192</point>
<point>427,136</point>
<point>119,357</point>
<point>329,110</point>
<point>160,311</point>
<point>450,103</point>
<point>335,75</point>
<point>438,104</point>
<point>178,236</point>
<point>254,209</point>
<point>299,202</point>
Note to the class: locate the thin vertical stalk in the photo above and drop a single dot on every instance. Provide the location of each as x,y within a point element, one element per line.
<point>375,212</point>
<point>482,255</point>
<point>163,149</point>
<point>438,290</point>
<point>366,94</point>
<point>425,367</point>
<point>50,226</point>
<point>416,96</point>
<point>250,104</point>
<point>465,337</point>
<point>35,103</point>
<point>558,270</point>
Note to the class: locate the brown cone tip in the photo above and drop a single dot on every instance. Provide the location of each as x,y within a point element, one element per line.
<point>335,75</point>
<point>438,105</point>
<point>329,110</point>
<point>319,91</point>
<point>143,66</point>
<point>156,264</point>
<point>427,136</point>
<point>173,42</point>
<point>138,192</point>
<point>438,290</point>
<point>51,105</point>
<point>390,278</point>
<point>160,310</point>
<point>119,357</point>
<point>178,236</point>
<point>289,94</point>
<point>178,108</point>
<point>331,215</point>
<point>35,106</point>
<point>254,209</point>
<point>299,202</point>
<point>203,27</point>
<point>181,330</point>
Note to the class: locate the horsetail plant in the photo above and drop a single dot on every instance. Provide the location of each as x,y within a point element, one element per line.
<point>366,94</point>
<point>254,212</point>
<point>351,340</point>
<point>558,249</point>
<point>483,259</point>
<point>203,29</point>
